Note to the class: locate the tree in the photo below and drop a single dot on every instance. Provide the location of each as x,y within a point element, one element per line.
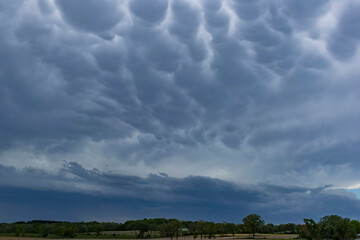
<point>59,231</point>
<point>230,228</point>
<point>170,229</point>
<point>336,228</point>
<point>252,223</point>
<point>70,232</point>
<point>17,231</point>
<point>210,229</point>
<point>220,228</point>
<point>43,230</point>
<point>98,229</point>
<point>269,228</point>
<point>200,228</point>
<point>143,227</point>
<point>309,231</point>
<point>356,225</point>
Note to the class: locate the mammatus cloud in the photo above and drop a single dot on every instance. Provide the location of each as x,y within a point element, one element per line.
<point>246,92</point>
<point>93,16</point>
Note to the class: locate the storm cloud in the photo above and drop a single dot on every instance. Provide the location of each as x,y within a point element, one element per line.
<point>76,193</point>
<point>226,98</point>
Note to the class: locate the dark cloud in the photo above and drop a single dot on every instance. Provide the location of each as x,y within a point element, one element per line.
<point>343,42</point>
<point>160,195</point>
<point>347,20</point>
<point>252,91</point>
<point>277,20</point>
<point>342,47</point>
<point>90,15</point>
<point>306,9</point>
<point>249,10</point>
<point>141,10</point>
<point>185,26</point>
<point>45,7</point>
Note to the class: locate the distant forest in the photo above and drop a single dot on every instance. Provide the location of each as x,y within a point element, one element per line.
<point>329,227</point>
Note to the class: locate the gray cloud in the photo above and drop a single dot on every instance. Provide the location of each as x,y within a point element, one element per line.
<point>305,10</point>
<point>248,91</point>
<point>141,10</point>
<point>90,15</point>
<point>272,201</point>
<point>343,42</point>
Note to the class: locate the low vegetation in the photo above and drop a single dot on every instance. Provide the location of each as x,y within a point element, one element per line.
<point>329,227</point>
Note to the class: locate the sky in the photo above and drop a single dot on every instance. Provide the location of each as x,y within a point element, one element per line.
<point>191,109</point>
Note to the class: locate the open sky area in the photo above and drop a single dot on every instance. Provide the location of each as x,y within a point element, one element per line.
<point>191,109</point>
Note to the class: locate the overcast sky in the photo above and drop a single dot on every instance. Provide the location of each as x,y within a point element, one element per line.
<point>193,109</point>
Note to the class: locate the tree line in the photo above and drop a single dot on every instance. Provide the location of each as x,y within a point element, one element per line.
<point>329,227</point>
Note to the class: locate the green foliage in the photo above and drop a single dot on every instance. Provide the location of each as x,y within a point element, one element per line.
<point>42,230</point>
<point>336,227</point>
<point>143,227</point>
<point>310,230</point>
<point>210,229</point>
<point>200,228</point>
<point>268,228</point>
<point>230,228</point>
<point>59,231</point>
<point>252,223</point>
<point>17,231</point>
<point>355,225</point>
<point>170,229</point>
<point>329,227</point>
<point>70,232</point>
<point>98,229</point>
